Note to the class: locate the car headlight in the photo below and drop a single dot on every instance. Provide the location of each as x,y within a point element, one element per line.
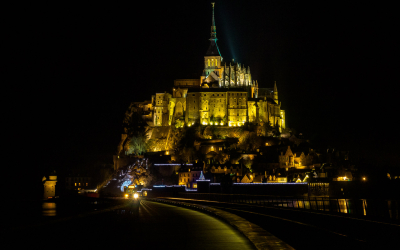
<point>126,195</point>
<point>136,196</point>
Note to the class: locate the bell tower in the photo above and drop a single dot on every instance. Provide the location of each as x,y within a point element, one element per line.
<point>212,60</point>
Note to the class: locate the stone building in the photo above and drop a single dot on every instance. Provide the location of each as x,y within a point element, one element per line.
<point>296,160</point>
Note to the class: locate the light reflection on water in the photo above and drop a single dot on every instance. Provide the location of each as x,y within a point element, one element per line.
<point>49,209</point>
<point>336,205</point>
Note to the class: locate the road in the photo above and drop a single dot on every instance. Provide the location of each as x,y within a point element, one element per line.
<point>150,226</point>
<point>312,230</point>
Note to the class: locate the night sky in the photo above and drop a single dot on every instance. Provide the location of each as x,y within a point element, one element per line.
<point>82,65</point>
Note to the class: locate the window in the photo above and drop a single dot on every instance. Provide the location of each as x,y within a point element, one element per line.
<point>79,184</point>
<point>75,184</point>
<point>208,62</point>
<point>216,62</point>
<point>87,184</point>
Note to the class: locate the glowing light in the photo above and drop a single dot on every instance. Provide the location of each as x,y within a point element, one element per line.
<point>275,183</point>
<point>163,186</point>
<point>126,195</point>
<point>135,196</point>
<point>364,178</point>
<point>215,184</point>
<point>171,164</point>
<point>230,124</point>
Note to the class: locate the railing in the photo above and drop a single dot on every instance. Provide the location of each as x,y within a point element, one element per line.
<point>357,207</point>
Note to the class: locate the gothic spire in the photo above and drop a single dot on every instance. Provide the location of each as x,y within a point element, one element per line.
<point>213,27</point>
<point>213,50</point>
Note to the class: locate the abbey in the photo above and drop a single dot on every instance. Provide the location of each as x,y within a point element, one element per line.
<point>225,95</point>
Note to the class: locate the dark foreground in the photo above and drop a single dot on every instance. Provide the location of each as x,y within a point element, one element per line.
<point>149,226</point>
<point>313,230</point>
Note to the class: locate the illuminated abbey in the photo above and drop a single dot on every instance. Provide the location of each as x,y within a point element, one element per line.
<point>225,95</point>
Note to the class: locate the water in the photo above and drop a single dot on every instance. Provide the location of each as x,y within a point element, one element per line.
<point>49,209</point>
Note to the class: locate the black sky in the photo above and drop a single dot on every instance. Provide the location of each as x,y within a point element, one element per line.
<point>81,65</point>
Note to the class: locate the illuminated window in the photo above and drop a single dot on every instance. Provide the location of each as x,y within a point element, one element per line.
<point>216,62</point>
<point>212,62</point>
<point>208,62</point>
<point>79,184</point>
<point>75,184</point>
<point>87,184</point>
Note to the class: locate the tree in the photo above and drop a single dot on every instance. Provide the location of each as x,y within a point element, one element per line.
<point>248,164</point>
<point>133,122</point>
<point>179,124</point>
<point>276,132</point>
<point>140,175</point>
<point>188,154</point>
<point>138,144</point>
<point>267,128</point>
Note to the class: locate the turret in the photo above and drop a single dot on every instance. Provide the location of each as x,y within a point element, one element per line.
<point>275,93</point>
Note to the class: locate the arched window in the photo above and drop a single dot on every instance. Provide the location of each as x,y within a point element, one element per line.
<point>208,62</point>
<point>212,62</point>
<point>216,62</point>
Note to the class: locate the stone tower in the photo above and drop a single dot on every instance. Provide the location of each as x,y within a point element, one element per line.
<point>212,60</point>
<point>49,185</point>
